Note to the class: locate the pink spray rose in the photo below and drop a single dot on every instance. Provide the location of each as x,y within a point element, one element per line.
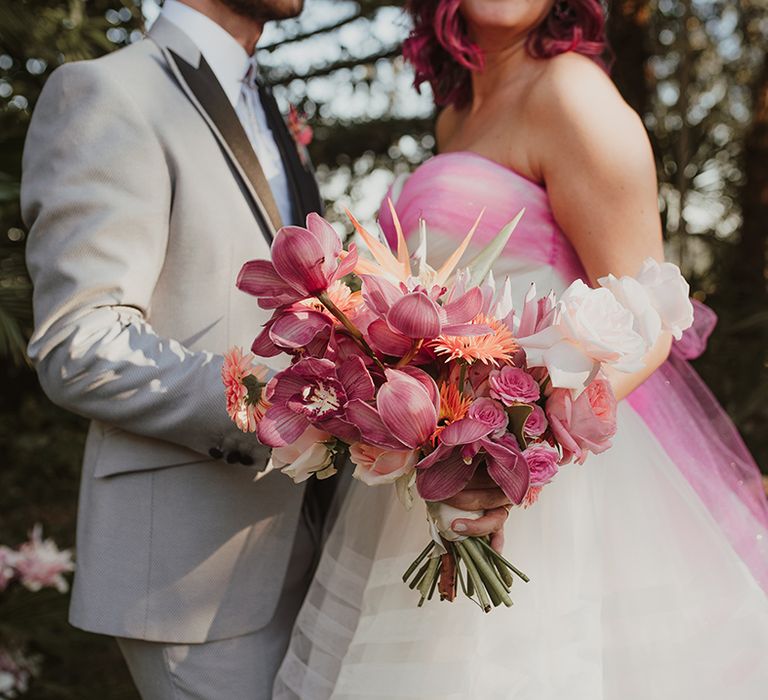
<point>536,423</point>
<point>542,462</point>
<point>490,412</point>
<point>377,465</point>
<point>585,424</point>
<point>513,385</point>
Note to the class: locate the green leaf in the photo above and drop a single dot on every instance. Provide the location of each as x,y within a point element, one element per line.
<point>481,265</point>
<point>255,388</point>
<point>518,414</point>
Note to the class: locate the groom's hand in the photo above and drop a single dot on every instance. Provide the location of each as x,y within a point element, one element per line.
<point>482,493</point>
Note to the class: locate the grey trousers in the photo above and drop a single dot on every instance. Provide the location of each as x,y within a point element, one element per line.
<point>240,668</point>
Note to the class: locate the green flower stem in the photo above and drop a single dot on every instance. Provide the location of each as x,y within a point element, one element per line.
<point>354,331</point>
<point>500,558</point>
<point>474,575</point>
<point>418,560</point>
<point>411,353</point>
<point>462,378</point>
<point>488,573</point>
<point>427,583</point>
<point>419,576</point>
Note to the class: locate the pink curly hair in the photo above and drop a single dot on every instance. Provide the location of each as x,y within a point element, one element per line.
<point>443,55</point>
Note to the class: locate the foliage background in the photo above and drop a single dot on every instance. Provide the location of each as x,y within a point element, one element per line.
<point>696,70</point>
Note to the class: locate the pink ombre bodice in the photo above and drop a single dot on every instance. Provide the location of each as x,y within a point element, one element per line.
<point>450,190</point>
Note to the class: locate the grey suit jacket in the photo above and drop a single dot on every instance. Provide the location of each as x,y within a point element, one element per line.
<point>141,213</point>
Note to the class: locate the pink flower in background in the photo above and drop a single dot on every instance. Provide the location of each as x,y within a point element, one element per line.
<point>40,563</point>
<point>305,263</point>
<point>490,412</point>
<point>542,461</point>
<point>536,423</point>
<point>513,385</point>
<point>7,570</point>
<point>378,465</point>
<point>583,425</point>
<point>16,671</point>
<point>300,129</point>
<point>237,367</point>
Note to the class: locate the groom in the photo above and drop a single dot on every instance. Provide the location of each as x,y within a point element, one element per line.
<point>150,176</point>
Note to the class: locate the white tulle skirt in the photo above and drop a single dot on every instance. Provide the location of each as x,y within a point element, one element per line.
<point>634,594</point>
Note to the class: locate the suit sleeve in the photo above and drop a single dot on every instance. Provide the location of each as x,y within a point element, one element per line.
<point>96,197</point>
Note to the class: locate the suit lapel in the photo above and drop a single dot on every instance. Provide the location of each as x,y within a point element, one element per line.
<point>199,84</point>
<point>306,194</point>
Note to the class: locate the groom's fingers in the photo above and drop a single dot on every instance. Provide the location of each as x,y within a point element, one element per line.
<point>490,523</point>
<point>478,499</point>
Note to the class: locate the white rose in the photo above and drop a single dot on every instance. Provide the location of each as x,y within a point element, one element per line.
<point>634,296</point>
<point>669,293</point>
<point>590,327</point>
<point>307,456</point>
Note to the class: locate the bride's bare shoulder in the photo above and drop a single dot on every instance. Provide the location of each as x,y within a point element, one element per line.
<point>574,103</point>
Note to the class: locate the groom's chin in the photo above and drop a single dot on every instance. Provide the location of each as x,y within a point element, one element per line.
<point>266,10</point>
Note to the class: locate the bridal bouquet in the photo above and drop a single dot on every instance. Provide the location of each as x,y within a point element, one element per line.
<point>421,377</point>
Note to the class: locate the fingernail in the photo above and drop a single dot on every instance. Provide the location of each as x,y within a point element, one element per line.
<point>459,527</point>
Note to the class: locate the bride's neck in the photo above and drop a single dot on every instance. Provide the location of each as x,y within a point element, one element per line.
<point>504,56</point>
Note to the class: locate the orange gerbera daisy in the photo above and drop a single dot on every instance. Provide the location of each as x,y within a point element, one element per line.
<point>237,368</point>
<point>453,406</point>
<point>341,295</point>
<point>498,346</point>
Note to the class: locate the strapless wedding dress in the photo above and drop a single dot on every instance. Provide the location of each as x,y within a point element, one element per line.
<point>648,564</point>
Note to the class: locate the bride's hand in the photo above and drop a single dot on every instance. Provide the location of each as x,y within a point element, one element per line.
<point>482,493</point>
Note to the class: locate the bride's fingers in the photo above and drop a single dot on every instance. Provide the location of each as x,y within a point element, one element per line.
<point>478,499</point>
<point>497,540</point>
<point>493,521</point>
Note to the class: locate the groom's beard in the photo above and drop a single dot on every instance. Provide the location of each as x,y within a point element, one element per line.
<point>266,10</point>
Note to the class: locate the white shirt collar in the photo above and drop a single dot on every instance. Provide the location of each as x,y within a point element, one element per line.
<point>227,58</point>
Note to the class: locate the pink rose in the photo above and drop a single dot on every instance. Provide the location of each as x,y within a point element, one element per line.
<point>542,462</point>
<point>513,385</point>
<point>376,465</point>
<point>585,424</point>
<point>536,423</point>
<point>490,412</point>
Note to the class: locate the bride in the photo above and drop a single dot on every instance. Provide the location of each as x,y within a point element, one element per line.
<point>649,564</point>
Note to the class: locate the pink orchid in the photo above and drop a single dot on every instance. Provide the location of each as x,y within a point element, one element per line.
<point>315,392</point>
<point>464,446</point>
<point>292,329</point>
<point>406,412</point>
<point>305,262</point>
<point>40,564</point>
<point>406,316</point>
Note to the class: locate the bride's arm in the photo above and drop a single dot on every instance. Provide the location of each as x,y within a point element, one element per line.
<point>593,154</point>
